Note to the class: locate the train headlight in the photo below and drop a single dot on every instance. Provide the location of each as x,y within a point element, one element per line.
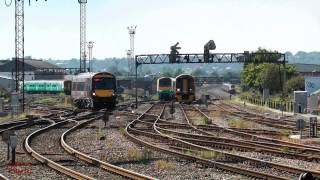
<point>93,94</point>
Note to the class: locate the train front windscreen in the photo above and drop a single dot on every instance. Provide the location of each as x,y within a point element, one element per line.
<point>104,83</point>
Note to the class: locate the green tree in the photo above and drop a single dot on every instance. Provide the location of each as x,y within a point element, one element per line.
<point>296,84</point>
<point>178,72</point>
<point>198,72</point>
<point>266,75</point>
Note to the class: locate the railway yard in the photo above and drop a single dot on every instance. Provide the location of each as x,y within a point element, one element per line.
<point>223,140</point>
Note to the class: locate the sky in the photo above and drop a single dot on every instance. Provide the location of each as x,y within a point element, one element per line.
<point>52,28</point>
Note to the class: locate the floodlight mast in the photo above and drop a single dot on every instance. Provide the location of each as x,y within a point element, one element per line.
<point>130,53</point>
<point>90,46</point>
<point>83,24</point>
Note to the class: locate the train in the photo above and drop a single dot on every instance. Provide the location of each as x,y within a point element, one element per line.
<point>165,88</point>
<point>182,88</point>
<point>94,90</point>
<point>44,86</point>
<point>185,88</point>
<point>229,88</point>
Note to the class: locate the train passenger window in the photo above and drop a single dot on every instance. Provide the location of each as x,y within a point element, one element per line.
<point>81,86</point>
<point>74,86</point>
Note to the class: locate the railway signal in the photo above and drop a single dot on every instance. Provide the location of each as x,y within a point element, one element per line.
<point>13,139</point>
<point>313,127</point>
<point>174,53</point>
<point>300,126</point>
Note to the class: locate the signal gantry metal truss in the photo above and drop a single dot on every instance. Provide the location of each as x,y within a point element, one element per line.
<point>175,58</point>
<point>211,58</point>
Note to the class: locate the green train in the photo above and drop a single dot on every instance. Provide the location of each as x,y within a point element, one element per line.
<point>165,88</point>
<point>44,86</point>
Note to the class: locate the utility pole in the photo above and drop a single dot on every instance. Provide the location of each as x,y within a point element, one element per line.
<point>130,53</point>
<point>90,46</point>
<point>83,23</point>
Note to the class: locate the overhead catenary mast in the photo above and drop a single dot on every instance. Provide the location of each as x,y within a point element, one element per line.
<point>130,53</point>
<point>83,24</point>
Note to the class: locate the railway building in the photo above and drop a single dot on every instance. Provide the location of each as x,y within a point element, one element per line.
<point>34,69</point>
<point>308,69</point>
<point>6,83</point>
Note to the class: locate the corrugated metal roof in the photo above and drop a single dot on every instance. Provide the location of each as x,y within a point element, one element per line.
<point>5,77</point>
<point>34,63</point>
<point>40,63</point>
<point>307,67</point>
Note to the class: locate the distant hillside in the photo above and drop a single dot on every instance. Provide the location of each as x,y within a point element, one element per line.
<point>304,57</point>
<point>121,64</point>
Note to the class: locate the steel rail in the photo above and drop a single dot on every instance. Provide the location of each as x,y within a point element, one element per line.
<point>69,172</point>
<point>255,137</point>
<point>274,165</point>
<point>103,165</point>
<point>233,169</point>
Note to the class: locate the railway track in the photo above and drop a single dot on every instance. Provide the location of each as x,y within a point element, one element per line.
<point>69,161</point>
<point>290,169</point>
<point>146,126</point>
<point>103,165</point>
<point>268,141</point>
<point>299,148</point>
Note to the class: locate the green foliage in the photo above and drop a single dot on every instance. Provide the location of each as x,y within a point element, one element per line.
<point>168,72</point>
<point>266,75</point>
<point>296,84</point>
<point>198,72</point>
<point>228,75</point>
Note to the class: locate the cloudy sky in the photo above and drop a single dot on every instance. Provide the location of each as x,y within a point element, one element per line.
<point>52,27</point>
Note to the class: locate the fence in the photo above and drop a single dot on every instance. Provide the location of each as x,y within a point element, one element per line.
<point>274,104</point>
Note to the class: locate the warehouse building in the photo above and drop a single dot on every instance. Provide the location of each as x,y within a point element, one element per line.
<point>308,69</point>
<point>34,69</point>
<point>6,83</point>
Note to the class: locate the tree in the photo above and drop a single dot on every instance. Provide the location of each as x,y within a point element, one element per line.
<point>296,84</point>
<point>178,72</point>
<point>198,72</point>
<point>266,75</point>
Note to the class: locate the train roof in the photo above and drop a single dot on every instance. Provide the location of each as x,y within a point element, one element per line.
<point>42,81</point>
<point>89,75</point>
<point>166,78</point>
<point>184,75</point>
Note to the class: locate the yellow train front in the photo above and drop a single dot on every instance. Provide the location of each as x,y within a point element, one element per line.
<point>94,90</point>
<point>185,88</point>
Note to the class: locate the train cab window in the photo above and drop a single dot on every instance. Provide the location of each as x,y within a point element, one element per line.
<point>103,83</point>
<point>165,82</point>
